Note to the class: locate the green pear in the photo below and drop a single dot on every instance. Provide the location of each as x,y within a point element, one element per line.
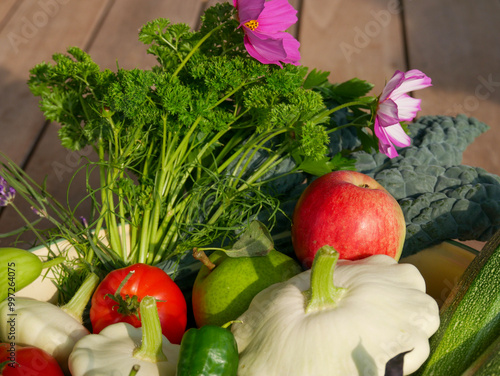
<point>224,289</point>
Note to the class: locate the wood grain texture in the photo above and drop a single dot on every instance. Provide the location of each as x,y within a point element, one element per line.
<point>117,40</point>
<point>31,35</point>
<point>6,8</point>
<point>356,38</point>
<point>113,40</point>
<point>457,44</point>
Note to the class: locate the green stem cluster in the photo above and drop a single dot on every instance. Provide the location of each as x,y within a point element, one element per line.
<point>183,163</point>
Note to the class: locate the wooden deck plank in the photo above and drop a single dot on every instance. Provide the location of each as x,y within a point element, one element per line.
<point>116,41</point>
<point>357,38</point>
<point>59,166</point>
<point>6,7</point>
<point>456,43</point>
<point>34,31</point>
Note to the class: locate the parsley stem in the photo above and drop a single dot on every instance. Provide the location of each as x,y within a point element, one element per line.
<point>102,177</point>
<point>232,92</point>
<point>194,49</point>
<point>327,113</point>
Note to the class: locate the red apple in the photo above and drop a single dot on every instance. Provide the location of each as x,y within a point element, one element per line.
<point>351,212</point>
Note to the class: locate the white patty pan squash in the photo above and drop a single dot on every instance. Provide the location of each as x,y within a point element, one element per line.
<point>119,347</point>
<point>47,326</point>
<point>339,318</point>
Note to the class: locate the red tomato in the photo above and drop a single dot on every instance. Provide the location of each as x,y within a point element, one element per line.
<point>27,360</point>
<point>109,306</point>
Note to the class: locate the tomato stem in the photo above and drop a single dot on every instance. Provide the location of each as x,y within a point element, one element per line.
<point>123,282</point>
<point>82,296</point>
<point>152,338</point>
<point>128,305</point>
<point>323,293</point>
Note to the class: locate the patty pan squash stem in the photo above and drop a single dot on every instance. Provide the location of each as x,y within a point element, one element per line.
<point>323,293</point>
<point>150,349</point>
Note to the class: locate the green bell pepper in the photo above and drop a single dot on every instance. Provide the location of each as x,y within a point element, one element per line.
<point>209,350</point>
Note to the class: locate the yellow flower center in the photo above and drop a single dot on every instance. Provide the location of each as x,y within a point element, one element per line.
<point>252,24</point>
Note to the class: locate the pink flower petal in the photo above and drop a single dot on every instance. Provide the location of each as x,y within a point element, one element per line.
<point>265,40</point>
<point>385,146</point>
<point>397,135</point>
<point>265,50</point>
<point>393,84</point>
<point>390,135</point>
<point>387,113</point>
<point>407,107</point>
<point>414,80</point>
<point>278,15</point>
<point>249,9</point>
<point>291,46</point>
<point>394,106</point>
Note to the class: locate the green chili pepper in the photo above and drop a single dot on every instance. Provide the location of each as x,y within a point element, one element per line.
<point>209,350</point>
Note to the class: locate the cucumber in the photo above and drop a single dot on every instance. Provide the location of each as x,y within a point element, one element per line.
<point>470,316</point>
<point>18,268</point>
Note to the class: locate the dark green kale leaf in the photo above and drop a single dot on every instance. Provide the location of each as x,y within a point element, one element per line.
<point>464,205</point>
<point>436,140</point>
<point>441,198</point>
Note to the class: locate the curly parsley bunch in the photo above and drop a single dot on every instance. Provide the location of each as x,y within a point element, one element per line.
<point>188,148</point>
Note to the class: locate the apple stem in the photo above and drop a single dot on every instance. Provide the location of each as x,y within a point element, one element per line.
<point>202,256</point>
<point>323,294</point>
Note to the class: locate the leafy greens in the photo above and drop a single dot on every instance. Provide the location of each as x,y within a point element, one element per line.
<point>191,150</point>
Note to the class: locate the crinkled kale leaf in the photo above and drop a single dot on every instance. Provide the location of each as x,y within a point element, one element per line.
<point>441,199</point>
<point>436,140</point>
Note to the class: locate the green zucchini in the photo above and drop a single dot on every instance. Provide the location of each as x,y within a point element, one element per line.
<point>470,316</point>
<point>488,364</point>
<point>18,268</point>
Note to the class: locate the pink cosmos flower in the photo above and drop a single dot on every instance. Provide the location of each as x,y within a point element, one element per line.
<point>264,23</point>
<point>395,105</point>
